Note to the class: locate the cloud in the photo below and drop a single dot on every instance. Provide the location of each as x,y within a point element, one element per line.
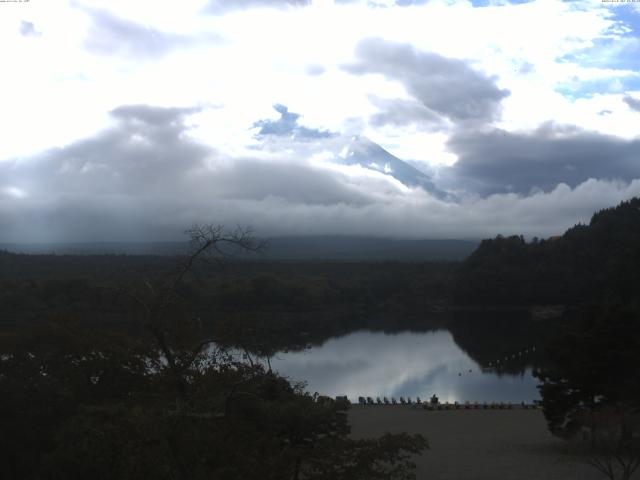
<point>425,93</point>
<point>145,178</point>
<point>153,116</point>
<point>401,112</point>
<point>315,70</point>
<point>112,35</point>
<point>287,125</point>
<point>372,363</point>
<point>446,87</point>
<point>145,148</point>
<point>257,180</point>
<point>526,68</point>
<point>28,29</point>
<point>406,3</point>
<point>146,172</point>
<point>494,161</point>
<point>218,7</point>
<point>633,103</point>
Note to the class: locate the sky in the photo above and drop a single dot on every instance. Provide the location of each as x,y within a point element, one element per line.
<point>130,121</point>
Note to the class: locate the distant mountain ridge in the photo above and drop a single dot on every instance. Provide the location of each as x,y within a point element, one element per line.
<point>368,248</point>
<point>342,248</point>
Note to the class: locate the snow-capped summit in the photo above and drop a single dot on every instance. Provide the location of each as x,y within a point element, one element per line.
<point>362,151</point>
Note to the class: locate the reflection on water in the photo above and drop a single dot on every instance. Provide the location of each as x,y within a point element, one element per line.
<point>402,364</point>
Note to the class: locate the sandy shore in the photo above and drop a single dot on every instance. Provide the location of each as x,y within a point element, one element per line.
<point>477,444</point>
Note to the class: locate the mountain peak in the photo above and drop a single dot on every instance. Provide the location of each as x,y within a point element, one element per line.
<point>368,154</point>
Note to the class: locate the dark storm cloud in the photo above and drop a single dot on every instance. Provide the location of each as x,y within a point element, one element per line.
<point>287,125</point>
<point>633,103</point>
<point>447,87</point>
<point>498,161</point>
<point>218,7</point>
<point>112,35</point>
<point>28,29</point>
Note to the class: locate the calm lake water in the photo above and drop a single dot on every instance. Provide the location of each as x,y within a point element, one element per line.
<point>407,364</point>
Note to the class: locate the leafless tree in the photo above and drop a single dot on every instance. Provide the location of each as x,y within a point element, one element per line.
<point>157,299</point>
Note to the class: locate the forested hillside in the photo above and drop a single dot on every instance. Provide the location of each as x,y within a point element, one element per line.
<point>598,261</point>
<point>589,378</point>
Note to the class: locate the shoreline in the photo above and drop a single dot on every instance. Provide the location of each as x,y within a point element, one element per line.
<point>470,444</point>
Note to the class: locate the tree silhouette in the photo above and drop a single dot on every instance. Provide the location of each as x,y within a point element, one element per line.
<point>590,387</point>
<point>81,402</point>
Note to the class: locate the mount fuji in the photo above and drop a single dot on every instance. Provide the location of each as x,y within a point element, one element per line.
<point>367,154</point>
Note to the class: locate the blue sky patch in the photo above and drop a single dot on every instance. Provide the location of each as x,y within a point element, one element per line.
<point>588,88</point>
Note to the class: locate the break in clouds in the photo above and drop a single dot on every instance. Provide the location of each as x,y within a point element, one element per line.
<point>146,178</point>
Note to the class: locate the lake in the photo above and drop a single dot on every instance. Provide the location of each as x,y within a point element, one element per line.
<point>407,364</point>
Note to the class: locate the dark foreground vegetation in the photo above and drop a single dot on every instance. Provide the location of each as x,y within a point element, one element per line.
<point>117,366</point>
<point>263,306</point>
<point>161,398</point>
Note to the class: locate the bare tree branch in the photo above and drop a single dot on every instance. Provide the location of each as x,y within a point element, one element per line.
<point>206,240</point>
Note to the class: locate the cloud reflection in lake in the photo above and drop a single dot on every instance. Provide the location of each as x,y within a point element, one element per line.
<point>401,364</point>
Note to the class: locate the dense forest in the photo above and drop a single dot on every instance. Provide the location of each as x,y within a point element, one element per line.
<point>286,305</point>
<point>595,261</point>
